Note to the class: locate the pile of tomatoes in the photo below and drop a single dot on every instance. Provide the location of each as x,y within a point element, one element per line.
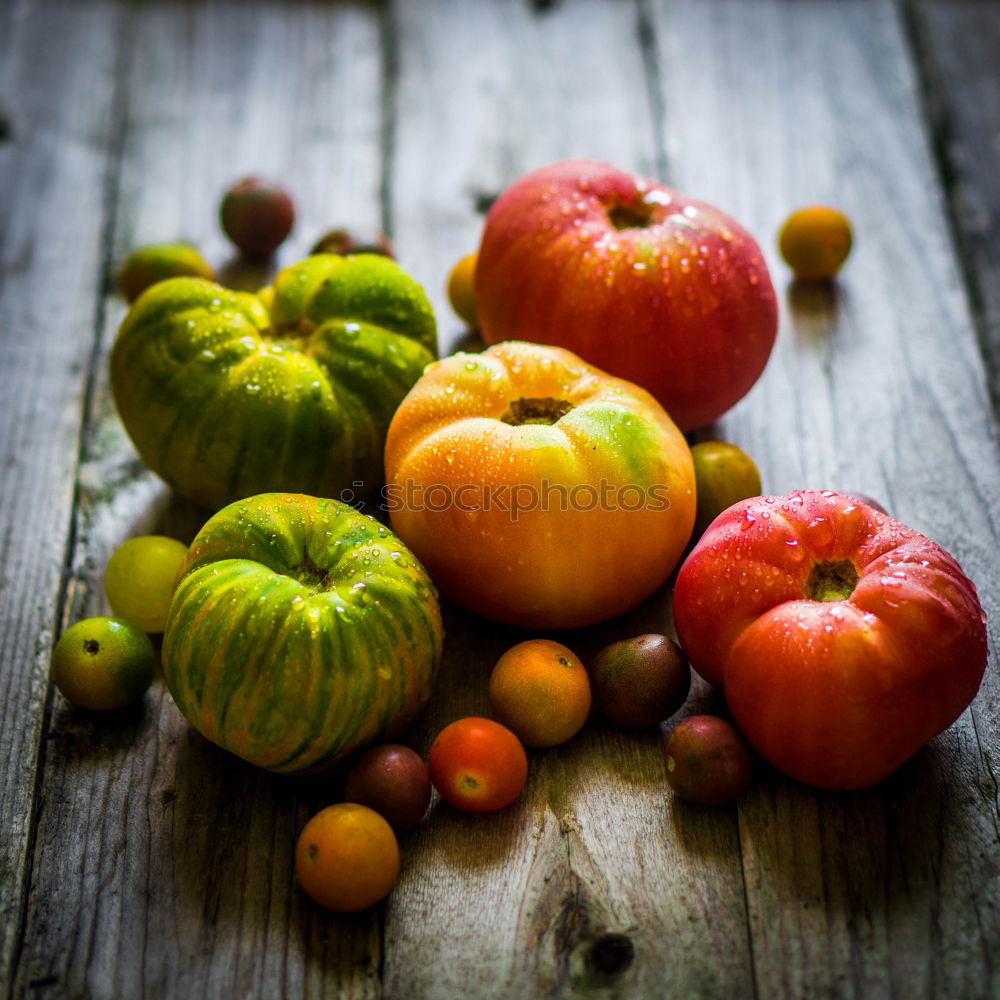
<point>871,597</point>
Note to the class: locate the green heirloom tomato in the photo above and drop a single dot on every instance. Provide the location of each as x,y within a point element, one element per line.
<point>226,394</point>
<point>300,630</point>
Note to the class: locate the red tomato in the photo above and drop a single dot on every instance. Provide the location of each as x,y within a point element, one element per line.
<point>844,640</point>
<point>647,284</point>
<point>477,765</point>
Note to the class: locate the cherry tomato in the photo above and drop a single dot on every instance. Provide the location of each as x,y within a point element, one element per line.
<point>815,242</point>
<point>477,765</point>
<point>541,691</point>
<point>460,289</point>
<point>139,579</point>
<point>723,475</point>
<point>103,663</point>
<point>347,857</point>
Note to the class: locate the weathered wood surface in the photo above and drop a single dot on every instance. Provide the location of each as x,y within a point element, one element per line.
<point>136,860</point>
<point>956,43</point>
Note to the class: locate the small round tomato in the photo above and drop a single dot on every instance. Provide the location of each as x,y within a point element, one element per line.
<point>815,242</point>
<point>707,760</point>
<point>103,663</point>
<point>723,476</point>
<point>537,490</point>
<point>345,241</point>
<point>460,289</point>
<point>477,765</point>
<point>257,216</point>
<point>347,857</point>
<point>139,579</point>
<point>148,265</point>
<point>540,690</point>
<point>392,780</point>
<point>640,682</point>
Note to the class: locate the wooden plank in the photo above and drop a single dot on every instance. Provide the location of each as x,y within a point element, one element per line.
<point>503,87</point>
<point>163,867</point>
<point>956,42</point>
<point>876,385</point>
<point>57,72</point>
<point>593,880</point>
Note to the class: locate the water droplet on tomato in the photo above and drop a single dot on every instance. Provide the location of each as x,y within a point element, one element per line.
<point>820,531</point>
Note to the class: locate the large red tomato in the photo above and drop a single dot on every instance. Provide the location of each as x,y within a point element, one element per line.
<point>651,286</point>
<point>843,639</point>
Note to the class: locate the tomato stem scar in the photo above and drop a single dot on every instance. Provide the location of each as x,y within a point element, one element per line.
<point>831,580</point>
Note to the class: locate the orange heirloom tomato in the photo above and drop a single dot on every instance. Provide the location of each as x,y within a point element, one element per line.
<point>536,489</point>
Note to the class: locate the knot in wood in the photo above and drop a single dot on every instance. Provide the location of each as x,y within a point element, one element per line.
<point>611,954</point>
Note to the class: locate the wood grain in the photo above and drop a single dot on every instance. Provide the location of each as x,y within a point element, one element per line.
<point>955,43</point>
<point>152,844</point>
<point>876,385</point>
<point>57,68</point>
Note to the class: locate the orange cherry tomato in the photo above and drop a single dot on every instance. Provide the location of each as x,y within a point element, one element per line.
<point>541,690</point>
<point>477,765</point>
<point>461,294</point>
<point>815,242</point>
<point>347,857</point>
<point>536,489</point>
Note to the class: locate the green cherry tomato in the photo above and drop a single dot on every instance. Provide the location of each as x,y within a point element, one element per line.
<point>724,475</point>
<point>103,663</point>
<point>152,264</point>
<point>139,579</point>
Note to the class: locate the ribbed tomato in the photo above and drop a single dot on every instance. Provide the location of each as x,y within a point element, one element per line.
<point>227,394</point>
<point>536,489</point>
<point>843,639</point>
<point>299,630</point>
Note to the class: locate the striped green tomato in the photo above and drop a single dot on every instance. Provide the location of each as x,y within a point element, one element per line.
<point>300,629</point>
<point>226,394</point>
